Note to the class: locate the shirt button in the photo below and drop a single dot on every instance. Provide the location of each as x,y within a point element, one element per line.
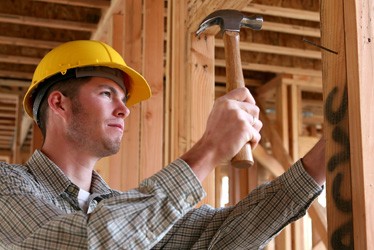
<point>150,235</point>
<point>310,196</point>
<point>190,199</point>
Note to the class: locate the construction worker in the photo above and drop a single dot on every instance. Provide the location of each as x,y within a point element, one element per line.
<point>79,97</point>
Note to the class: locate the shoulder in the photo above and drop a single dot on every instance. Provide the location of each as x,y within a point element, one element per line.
<point>15,177</point>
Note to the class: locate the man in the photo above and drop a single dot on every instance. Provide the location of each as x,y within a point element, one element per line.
<point>79,97</point>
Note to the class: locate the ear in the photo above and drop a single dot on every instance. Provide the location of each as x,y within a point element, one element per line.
<point>59,104</point>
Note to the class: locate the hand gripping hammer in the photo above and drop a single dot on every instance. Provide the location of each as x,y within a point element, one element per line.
<point>230,22</point>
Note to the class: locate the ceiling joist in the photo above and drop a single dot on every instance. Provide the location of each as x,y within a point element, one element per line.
<point>48,23</point>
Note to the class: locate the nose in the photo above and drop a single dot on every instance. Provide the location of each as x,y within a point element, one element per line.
<point>121,110</point>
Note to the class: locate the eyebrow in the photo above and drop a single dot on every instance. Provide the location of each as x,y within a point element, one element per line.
<point>115,92</point>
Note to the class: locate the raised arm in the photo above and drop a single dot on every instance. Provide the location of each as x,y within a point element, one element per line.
<point>232,123</point>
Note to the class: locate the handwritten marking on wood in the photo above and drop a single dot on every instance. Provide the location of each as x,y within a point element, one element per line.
<point>342,236</point>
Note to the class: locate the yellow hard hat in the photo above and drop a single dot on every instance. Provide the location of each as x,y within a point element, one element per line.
<point>84,53</point>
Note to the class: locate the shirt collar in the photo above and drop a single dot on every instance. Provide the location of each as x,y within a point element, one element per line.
<point>46,172</point>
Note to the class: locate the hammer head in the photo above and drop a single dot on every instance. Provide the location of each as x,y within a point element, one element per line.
<point>230,20</point>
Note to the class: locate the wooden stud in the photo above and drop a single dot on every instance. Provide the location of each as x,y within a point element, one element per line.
<point>283,160</point>
<point>115,161</point>
<point>283,241</point>
<point>191,80</point>
<point>294,101</point>
<point>132,53</point>
<point>281,111</point>
<point>336,128</point>
<point>179,114</point>
<point>359,47</point>
<point>126,34</point>
<point>200,85</point>
<point>16,148</point>
<point>359,51</point>
<point>152,112</point>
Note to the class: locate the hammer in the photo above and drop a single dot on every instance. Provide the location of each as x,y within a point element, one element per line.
<point>230,22</point>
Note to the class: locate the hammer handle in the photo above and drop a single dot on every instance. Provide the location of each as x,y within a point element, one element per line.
<point>235,79</point>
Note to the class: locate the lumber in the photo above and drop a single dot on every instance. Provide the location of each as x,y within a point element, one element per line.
<point>17,136</point>
<point>272,49</point>
<point>178,112</point>
<point>112,167</point>
<point>336,128</point>
<point>191,80</point>
<point>152,111</point>
<point>282,162</point>
<point>200,85</point>
<point>360,54</point>
<point>283,12</point>
<point>132,53</point>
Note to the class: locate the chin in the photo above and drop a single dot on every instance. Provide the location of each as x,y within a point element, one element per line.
<point>111,149</point>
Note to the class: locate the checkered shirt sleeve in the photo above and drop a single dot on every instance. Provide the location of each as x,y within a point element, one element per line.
<point>31,217</point>
<point>253,222</point>
<point>137,219</point>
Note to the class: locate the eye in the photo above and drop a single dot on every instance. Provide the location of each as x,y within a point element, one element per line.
<point>126,98</point>
<point>107,93</point>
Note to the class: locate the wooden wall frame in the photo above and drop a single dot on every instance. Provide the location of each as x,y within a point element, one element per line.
<point>348,89</point>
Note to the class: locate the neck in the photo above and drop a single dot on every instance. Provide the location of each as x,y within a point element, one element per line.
<point>76,164</point>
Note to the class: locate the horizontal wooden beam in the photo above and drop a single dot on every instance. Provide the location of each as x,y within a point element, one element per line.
<point>7,122</point>
<point>5,137</point>
<point>47,23</point>
<point>305,85</point>
<point>273,68</point>
<point>6,128</point>
<point>7,131</point>
<point>11,97</point>
<point>19,59</point>
<point>7,108</point>
<point>83,3</point>
<point>5,149</point>
<point>271,49</point>
<point>15,74</point>
<point>5,153</point>
<point>34,43</point>
<point>7,114</point>
<point>283,12</point>
<point>248,82</point>
<point>291,29</point>
<point>14,83</point>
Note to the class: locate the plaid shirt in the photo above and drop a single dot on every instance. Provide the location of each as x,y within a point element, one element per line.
<point>40,210</point>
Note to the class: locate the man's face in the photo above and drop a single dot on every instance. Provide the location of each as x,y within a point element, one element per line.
<point>97,117</point>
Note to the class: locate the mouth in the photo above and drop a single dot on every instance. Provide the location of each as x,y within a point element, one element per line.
<point>116,125</point>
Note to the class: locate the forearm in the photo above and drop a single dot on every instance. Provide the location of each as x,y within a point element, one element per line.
<point>252,222</point>
<point>314,162</point>
<point>267,210</point>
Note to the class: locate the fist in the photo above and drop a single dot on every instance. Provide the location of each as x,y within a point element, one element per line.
<point>232,123</point>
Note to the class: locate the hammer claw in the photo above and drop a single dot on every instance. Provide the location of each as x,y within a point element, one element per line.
<point>254,22</point>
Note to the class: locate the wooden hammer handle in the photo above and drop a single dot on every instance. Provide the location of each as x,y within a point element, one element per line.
<point>235,79</point>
